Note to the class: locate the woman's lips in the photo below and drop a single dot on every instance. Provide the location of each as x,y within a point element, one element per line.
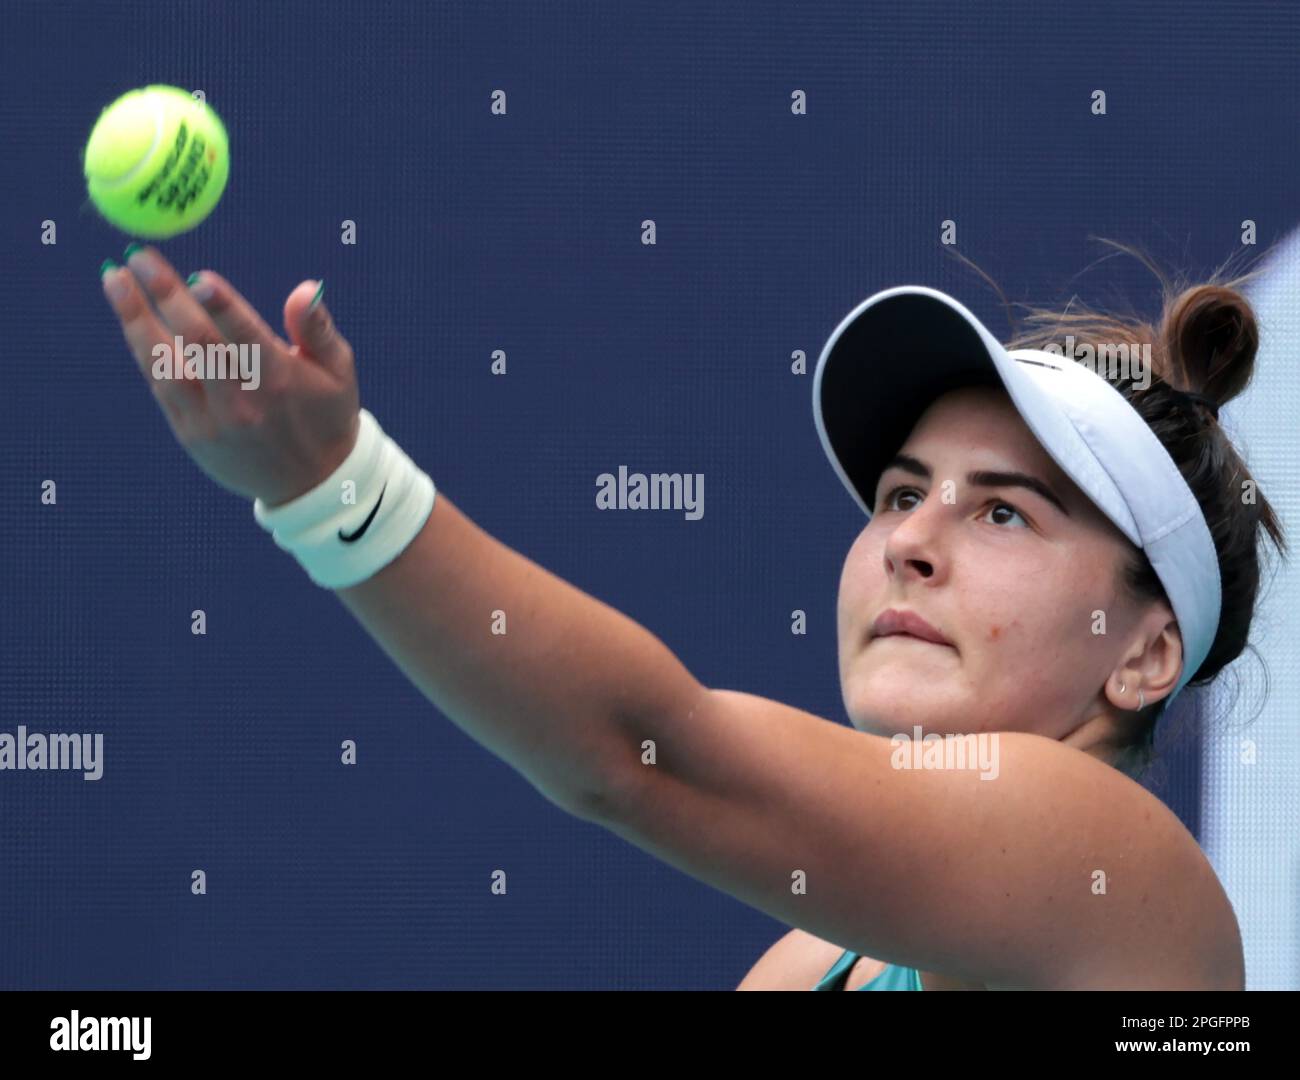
<point>896,622</point>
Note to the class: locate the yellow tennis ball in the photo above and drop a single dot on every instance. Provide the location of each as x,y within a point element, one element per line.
<point>156,162</point>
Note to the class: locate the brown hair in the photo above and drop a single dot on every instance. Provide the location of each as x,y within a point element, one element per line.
<point>1204,341</point>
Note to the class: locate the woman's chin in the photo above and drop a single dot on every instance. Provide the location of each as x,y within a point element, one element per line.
<point>887,717</point>
<point>890,706</point>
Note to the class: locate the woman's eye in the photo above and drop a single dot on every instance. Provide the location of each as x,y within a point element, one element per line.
<point>889,498</point>
<point>994,508</point>
<point>1007,506</point>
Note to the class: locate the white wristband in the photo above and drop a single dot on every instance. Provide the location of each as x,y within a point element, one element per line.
<point>360,518</point>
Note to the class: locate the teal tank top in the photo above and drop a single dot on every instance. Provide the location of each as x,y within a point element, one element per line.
<point>892,978</point>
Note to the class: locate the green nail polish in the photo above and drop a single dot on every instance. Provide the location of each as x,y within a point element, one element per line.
<point>106,266</point>
<point>131,249</point>
<point>316,299</point>
<point>192,278</point>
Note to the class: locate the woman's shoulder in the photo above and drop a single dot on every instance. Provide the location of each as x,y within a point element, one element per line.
<point>1205,915</point>
<point>1220,940</point>
<point>1160,916</point>
<point>796,961</point>
<point>1181,915</point>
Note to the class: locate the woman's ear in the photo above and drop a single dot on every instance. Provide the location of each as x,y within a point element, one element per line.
<point>1151,666</point>
<point>1162,662</point>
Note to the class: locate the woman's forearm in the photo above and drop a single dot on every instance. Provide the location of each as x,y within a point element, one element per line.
<point>563,695</point>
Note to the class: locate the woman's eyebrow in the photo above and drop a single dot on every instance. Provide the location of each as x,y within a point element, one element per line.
<point>982,478</point>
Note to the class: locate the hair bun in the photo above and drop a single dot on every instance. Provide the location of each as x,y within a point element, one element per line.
<point>1211,337</point>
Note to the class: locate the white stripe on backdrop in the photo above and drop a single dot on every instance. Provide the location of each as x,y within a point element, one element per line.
<point>1251,812</point>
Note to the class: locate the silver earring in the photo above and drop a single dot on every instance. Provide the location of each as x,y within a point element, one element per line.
<point>1142,703</point>
<point>1121,688</point>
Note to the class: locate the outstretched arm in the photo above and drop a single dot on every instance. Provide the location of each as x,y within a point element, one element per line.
<point>559,696</point>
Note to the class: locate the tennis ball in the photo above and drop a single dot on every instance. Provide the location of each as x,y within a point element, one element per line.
<point>156,162</point>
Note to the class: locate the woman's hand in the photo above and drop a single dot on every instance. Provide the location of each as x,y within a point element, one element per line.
<point>275,441</point>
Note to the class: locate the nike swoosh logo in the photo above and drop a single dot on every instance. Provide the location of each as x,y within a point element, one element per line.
<point>365,524</point>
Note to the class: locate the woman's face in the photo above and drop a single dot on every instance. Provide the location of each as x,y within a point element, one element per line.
<point>1015,582</point>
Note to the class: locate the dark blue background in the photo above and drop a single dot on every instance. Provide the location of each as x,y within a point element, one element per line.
<point>519,233</point>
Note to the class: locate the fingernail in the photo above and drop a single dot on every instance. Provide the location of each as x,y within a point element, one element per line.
<point>200,287</point>
<point>141,261</point>
<point>316,299</point>
<point>112,281</point>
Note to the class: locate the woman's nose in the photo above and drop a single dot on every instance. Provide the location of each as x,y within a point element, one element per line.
<point>914,543</point>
